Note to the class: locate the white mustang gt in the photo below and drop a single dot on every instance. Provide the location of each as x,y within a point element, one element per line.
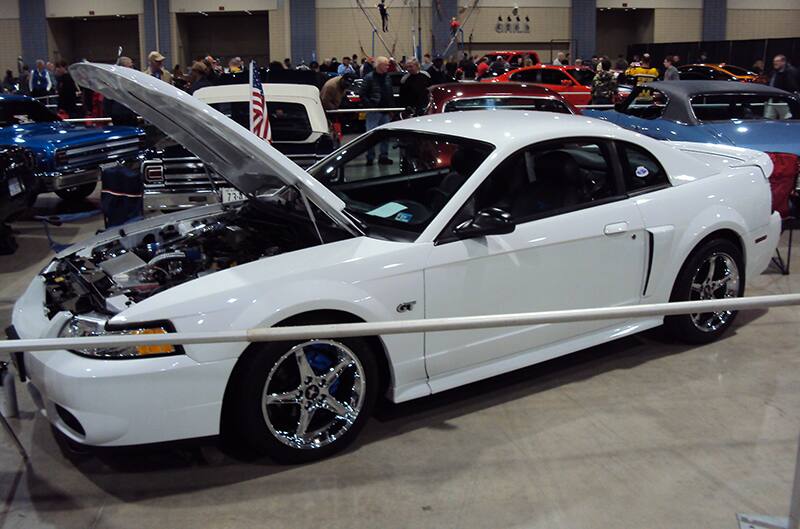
<point>465,214</point>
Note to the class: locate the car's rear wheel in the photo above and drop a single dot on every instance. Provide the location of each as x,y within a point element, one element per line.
<point>714,271</point>
<point>75,193</point>
<point>302,401</point>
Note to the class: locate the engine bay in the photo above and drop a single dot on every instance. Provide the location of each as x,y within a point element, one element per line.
<point>114,275</point>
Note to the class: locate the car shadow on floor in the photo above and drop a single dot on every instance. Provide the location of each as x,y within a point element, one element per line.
<point>140,473</point>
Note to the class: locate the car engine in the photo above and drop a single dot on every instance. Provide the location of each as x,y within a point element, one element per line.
<point>114,275</point>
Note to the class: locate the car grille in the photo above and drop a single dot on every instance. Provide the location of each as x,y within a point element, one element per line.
<point>179,174</point>
<point>98,153</point>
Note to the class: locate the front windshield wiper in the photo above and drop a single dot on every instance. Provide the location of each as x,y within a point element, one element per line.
<point>358,222</point>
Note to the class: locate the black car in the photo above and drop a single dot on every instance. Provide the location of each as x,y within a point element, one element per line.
<point>19,184</point>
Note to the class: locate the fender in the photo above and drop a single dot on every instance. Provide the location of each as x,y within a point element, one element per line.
<point>712,219</point>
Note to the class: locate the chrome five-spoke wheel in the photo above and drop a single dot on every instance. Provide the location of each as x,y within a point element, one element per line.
<point>714,270</point>
<point>717,277</point>
<point>301,401</point>
<point>313,394</point>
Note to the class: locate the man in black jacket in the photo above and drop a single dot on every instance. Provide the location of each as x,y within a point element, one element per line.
<point>784,76</point>
<point>67,91</point>
<point>376,92</point>
<point>414,88</point>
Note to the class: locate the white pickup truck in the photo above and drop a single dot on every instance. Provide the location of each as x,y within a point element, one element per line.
<point>175,179</point>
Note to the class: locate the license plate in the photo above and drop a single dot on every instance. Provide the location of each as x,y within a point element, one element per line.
<point>230,194</point>
<point>14,187</point>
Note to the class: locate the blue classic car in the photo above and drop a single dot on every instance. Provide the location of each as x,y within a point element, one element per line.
<point>741,114</point>
<point>68,157</point>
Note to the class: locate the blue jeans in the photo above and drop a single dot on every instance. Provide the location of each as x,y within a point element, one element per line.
<point>376,119</point>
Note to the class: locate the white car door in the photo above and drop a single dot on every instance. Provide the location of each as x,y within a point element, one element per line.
<point>579,242</point>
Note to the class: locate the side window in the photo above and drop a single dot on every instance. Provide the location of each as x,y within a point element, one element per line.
<point>526,76</point>
<point>545,180</point>
<point>552,76</point>
<point>640,169</point>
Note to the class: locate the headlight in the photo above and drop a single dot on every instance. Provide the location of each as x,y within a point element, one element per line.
<point>95,325</point>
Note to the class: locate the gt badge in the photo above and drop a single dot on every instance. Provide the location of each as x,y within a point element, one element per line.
<point>406,306</point>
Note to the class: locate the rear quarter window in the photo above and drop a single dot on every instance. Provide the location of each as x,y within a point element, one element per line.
<point>289,121</point>
<point>640,169</point>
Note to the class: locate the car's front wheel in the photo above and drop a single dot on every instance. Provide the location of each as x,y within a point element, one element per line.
<point>75,193</point>
<point>304,401</point>
<point>714,271</point>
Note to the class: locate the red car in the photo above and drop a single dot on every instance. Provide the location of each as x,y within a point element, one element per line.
<point>513,55</point>
<point>572,82</point>
<point>453,97</point>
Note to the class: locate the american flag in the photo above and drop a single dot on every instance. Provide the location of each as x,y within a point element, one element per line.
<point>259,118</point>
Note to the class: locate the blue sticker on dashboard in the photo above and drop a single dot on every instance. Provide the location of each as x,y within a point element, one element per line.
<point>403,216</point>
<point>642,172</point>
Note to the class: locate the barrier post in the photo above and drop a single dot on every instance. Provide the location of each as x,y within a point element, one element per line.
<point>759,521</point>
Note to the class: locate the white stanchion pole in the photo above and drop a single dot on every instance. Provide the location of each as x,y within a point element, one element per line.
<point>343,330</point>
<point>760,521</point>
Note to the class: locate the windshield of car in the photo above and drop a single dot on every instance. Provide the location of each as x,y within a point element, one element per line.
<point>735,70</point>
<point>724,107</point>
<point>584,77</point>
<point>22,112</point>
<point>288,121</point>
<point>542,104</point>
<point>397,180</point>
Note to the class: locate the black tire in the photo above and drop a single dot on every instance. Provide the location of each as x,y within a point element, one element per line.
<point>684,327</point>
<point>76,193</point>
<point>244,421</point>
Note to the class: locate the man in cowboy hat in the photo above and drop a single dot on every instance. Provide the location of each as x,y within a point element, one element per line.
<point>156,67</point>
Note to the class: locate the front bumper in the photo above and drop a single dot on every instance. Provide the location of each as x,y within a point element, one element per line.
<point>118,402</point>
<point>56,180</point>
<point>165,201</point>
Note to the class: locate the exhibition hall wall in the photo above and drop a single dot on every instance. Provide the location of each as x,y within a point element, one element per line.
<point>339,27</point>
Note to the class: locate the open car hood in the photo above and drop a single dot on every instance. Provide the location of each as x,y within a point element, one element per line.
<point>230,150</point>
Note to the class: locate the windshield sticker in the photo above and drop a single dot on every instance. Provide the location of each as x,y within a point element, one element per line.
<point>404,217</point>
<point>642,172</point>
<point>387,210</point>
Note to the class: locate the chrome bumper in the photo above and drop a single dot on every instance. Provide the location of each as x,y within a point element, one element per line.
<point>55,180</point>
<point>165,201</point>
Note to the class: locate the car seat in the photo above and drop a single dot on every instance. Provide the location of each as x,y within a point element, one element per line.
<point>559,184</point>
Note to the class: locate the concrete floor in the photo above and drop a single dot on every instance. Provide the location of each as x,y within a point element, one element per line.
<point>635,434</point>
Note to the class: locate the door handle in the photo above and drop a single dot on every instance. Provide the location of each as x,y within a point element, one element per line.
<point>615,228</point>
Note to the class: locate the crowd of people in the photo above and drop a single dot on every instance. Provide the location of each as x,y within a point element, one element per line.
<point>334,78</point>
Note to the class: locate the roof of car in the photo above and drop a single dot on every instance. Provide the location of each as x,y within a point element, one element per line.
<point>680,93</point>
<point>686,89</point>
<point>511,128</point>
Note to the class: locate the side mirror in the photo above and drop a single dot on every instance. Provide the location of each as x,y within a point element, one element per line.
<point>489,221</point>
<point>566,82</point>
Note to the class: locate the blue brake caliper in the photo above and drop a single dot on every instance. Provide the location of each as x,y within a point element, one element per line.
<point>320,360</point>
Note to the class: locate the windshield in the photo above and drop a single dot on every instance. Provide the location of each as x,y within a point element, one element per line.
<point>724,107</point>
<point>735,70</point>
<point>22,112</point>
<point>541,104</point>
<point>403,189</point>
<point>584,77</point>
